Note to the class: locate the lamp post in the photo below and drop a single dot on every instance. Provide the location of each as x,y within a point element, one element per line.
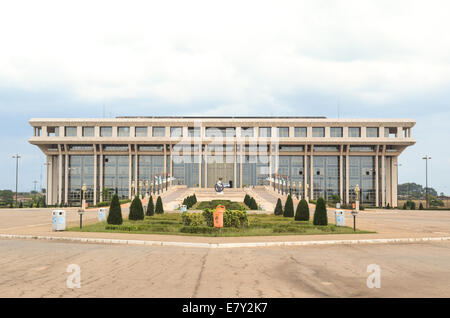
<point>17,157</point>
<point>426,158</point>
<point>146,188</point>
<point>83,201</point>
<point>140,187</point>
<point>306,192</point>
<point>357,190</point>
<point>299,190</point>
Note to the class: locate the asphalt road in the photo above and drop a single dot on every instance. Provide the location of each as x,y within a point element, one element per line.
<point>38,269</point>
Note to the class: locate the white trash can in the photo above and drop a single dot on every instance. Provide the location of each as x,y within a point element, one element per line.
<point>58,220</point>
<point>339,218</point>
<point>102,214</point>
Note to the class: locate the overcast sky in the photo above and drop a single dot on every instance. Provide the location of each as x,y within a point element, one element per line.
<point>375,59</point>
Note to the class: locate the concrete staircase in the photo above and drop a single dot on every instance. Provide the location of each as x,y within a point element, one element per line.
<point>209,194</point>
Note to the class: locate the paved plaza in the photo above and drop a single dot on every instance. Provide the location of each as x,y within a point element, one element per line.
<point>38,268</point>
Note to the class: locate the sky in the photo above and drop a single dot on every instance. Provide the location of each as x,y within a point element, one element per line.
<point>339,59</point>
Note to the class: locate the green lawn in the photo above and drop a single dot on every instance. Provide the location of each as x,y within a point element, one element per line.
<point>260,225</point>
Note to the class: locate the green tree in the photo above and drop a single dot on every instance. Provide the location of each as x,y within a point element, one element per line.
<point>320,214</point>
<point>302,212</point>
<point>136,210</point>
<point>288,207</point>
<point>150,207</point>
<point>278,208</point>
<point>246,200</point>
<point>159,209</point>
<point>253,204</point>
<point>115,212</point>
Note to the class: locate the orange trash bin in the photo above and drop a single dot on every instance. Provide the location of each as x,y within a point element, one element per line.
<point>218,216</point>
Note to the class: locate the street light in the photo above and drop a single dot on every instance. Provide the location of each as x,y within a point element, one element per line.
<point>83,201</point>
<point>426,158</point>
<point>17,157</point>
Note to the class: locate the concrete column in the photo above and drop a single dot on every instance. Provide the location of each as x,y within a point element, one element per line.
<point>388,180</point>
<point>165,161</point>
<point>200,157</point>
<point>270,164</point>
<point>66,176</point>
<point>49,188</point>
<point>311,175</point>
<point>240,164</point>
<point>394,178</point>
<point>235,166</point>
<point>377,187</point>
<point>383,179</point>
<point>206,165</point>
<point>136,177</point>
<point>363,132</point>
<point>341,177</point>
<point>130,171</point>
<point>60,159</point>
<point>305,174</point>
<point>399,132</point>
<point>347,183</point>
<point>101,173</point>
<point>95,174</point>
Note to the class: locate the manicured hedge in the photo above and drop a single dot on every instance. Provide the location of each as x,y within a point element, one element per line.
<point>302,212</point>
<point>278,208</point>
<point>115,212</point>
<point>320,215</point>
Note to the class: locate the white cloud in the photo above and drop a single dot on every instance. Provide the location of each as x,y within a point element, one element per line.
<point>234,51</point>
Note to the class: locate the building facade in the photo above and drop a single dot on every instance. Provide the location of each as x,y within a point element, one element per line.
<point>325,157</point>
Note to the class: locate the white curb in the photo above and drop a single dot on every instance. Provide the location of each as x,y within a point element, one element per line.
<point>226,245</point>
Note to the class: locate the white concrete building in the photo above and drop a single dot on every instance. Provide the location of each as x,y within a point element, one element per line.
<point>326,156</point>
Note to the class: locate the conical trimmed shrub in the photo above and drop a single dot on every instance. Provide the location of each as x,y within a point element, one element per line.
<point>302,212</point>
<point>289,207</point>
<point>159,209</point>
<point>421,206</point>
<point>320,215</point>
<point>115,212</point>
<point>247,200</point>
<point>136,209</point>
<point>150,207</point>
<point>278,208</point>
<point>253,204</point>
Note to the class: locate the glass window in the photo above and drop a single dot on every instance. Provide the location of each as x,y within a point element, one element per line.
<point>176,131</point>
<point>222,131</point>
<point>326,148</point>
<point>265,131</point>
<point>194,131</point>
<point>123,131</point>
<point>284,148</point>
<point>354,132</point>
<point>247,132</point>
<point>140,132</point>
<point>336,132</point>
<point>372,132</point>
<point>71,131</point>
<point>52,131</point>
<point>390,132</point>
<point>88,131</point>
<point>159,131</point>
<point>318,131</point>
<point>105,131</point>
<point>283,132</point>
<point>300,131</point>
